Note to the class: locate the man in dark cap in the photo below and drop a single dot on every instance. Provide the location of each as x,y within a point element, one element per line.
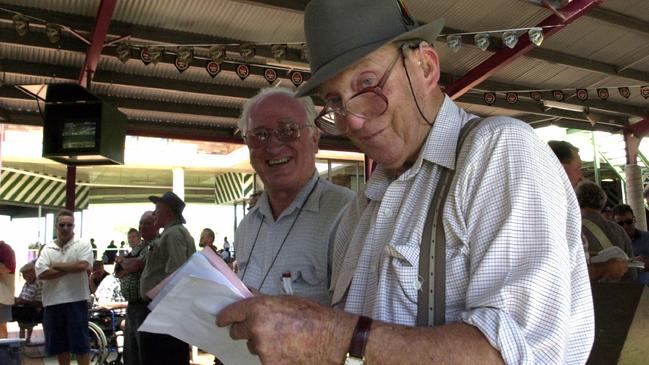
<point>166,254</point>
<point>511,285</point>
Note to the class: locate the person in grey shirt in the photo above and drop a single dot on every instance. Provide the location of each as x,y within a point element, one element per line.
<point>166,254</point>
<point>284,243</point>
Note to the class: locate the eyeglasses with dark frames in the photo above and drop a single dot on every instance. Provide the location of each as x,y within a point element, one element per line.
<point>288,132</point>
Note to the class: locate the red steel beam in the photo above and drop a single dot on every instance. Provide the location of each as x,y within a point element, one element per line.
<point>641,128</point>
<point>102,21</point>
<point>506,55</point>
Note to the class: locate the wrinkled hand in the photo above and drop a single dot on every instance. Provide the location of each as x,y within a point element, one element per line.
<point>289,330</point>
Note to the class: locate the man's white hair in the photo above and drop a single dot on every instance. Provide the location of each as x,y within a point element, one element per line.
<point>306,102</point>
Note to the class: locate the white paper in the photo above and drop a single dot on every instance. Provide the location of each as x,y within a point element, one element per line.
<point>188,312</point>
<point>606,254</point>
<point>197,266</point>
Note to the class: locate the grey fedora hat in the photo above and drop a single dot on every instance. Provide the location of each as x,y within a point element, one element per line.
<point>340,33</point>
<point>173,201</point>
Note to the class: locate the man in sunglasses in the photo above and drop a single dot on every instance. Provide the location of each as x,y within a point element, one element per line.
<point>623,215</point>
<point>63,267</point>
<point>516,285</point>
<point>285,242</point>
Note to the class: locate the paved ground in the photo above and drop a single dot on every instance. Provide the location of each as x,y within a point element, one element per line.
<point>33,355</point>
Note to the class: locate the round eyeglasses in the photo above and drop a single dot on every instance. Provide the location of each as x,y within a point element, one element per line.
<point>366,104</point>
<point>286,133</point>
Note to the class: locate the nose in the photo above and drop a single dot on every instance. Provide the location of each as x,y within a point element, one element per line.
<point>349,123</point>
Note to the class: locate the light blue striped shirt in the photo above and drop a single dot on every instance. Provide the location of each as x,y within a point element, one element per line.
<point>307,251</point>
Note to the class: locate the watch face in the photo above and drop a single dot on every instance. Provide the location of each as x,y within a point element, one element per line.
<point>352,360</point>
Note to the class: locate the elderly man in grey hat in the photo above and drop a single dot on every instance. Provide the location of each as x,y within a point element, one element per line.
<point>166,254</point>
<point>498,276</point>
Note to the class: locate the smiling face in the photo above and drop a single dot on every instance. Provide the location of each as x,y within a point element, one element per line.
<point>283,166</point>
<point>395,137</point>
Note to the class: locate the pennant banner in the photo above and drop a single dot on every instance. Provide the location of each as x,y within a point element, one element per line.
<point>512,98</point>
<point>536,95</point>
<point>297,78</point>
<point>181,64</point>
<point>243,71</point>
<point>644,91</point>
<point>602,93</point>
<point>582,94</point>
<point>213,68</point>
<point>270,75</point>
<point>558,95</point>
<point>145,56</point>
<point>624,92</point>
<point>489,98</point>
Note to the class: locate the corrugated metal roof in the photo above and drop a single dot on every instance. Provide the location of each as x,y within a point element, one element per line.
<point>222,18</point>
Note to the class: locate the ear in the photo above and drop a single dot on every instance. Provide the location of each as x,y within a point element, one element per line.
<point>429,63</point>
<point>315,137</point>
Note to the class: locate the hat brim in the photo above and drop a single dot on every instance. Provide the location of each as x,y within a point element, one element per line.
<point>156,199</point>
<point>427,32</point>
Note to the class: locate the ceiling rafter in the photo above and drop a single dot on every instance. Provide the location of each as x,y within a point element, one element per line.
<point>116,78</point>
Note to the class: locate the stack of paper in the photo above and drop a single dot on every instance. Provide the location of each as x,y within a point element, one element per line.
<point>615,252</point>
<point>186,303</point>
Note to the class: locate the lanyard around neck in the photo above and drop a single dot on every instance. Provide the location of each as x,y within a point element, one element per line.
<point>252,249</point>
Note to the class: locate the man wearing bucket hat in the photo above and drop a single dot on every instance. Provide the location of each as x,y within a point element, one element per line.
<point>166,254</point>
<point>514,279</point>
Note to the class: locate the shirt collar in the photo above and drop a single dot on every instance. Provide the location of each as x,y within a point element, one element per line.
<point>446,127</point>
<point>173,223</point>
<point>313,204</point>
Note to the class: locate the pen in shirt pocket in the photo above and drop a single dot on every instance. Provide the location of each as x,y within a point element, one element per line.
<point>287,283</point>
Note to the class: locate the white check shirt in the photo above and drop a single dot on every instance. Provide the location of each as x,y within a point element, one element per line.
<point>515,266</point>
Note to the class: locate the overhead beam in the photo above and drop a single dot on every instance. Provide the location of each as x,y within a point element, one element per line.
<point>97,39</point>
<point>208,88</point>
<point>505,56</point>
<point>620,20</point>
<point>627,109</point>
<point>297,6</point>
<point>529,107</point>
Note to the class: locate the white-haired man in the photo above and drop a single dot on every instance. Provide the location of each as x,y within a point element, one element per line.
<point>284,243</point>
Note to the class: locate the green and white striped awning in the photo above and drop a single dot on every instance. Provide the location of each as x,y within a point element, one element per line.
<point>230,187</point>
<point>31,188</point>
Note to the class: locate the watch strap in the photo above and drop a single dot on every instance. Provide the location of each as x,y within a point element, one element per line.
<point>359,337</point>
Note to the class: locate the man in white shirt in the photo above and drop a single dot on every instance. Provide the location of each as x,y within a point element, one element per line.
<point>63,267</point>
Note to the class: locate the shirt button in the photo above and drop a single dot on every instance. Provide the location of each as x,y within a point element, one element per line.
<point>387,212</point>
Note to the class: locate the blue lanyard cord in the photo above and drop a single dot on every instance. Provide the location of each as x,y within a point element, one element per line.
<point>283,241</point>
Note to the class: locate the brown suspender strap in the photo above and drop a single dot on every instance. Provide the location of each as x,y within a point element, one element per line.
<point>431,301</point>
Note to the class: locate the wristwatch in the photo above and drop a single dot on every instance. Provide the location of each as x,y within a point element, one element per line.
<point>356,353</point>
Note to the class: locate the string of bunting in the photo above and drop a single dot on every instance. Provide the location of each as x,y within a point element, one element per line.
<point>217,54</point>
<point>582,94</point>
<point>153,53</point>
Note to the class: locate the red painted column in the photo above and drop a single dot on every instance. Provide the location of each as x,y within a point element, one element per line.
<point>99,32</point>
<point>70,188</point>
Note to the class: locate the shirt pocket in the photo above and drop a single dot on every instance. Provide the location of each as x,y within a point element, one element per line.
<point>403,268</point>
<point>307,275</point>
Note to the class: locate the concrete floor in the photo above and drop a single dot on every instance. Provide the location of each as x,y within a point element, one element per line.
<point>34,355</point>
